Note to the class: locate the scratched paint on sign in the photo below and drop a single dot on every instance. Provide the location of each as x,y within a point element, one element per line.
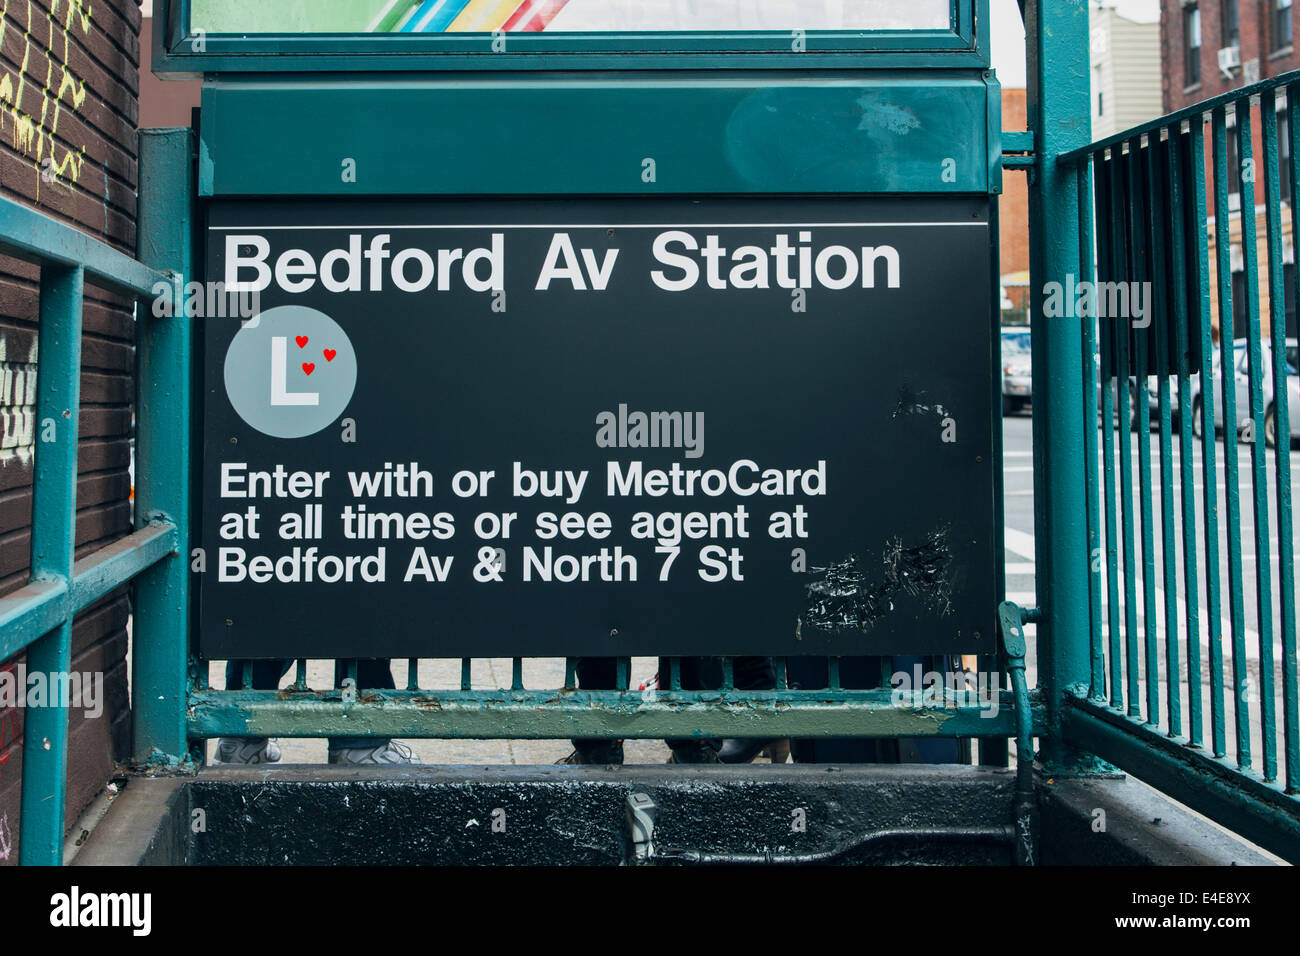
<point>34,135</point>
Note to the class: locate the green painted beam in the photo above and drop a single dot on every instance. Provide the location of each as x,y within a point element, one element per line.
<point>1240,801</point>
<point>31,612</point>
<point>1058,72</point>
<point>925,132</point>
<point>165,395</point>
<point>1197,111</point>
<point>99,573</point>
<point>54,518</point>
<point>41,606</point>
<point>35,237</point>
<point>543,714</point>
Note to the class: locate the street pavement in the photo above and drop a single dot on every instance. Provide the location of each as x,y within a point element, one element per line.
<point>1244,686</point>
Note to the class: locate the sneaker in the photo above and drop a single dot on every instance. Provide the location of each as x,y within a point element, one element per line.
<point>389,752</point>
<point>603,752</point>
<point>248,750</point>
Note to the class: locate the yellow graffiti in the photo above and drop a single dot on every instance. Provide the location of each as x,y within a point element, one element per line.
<point>31,136</point>
<point>75,7</point>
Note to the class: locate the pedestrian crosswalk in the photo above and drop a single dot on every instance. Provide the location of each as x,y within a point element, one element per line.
<point>1021,588</point>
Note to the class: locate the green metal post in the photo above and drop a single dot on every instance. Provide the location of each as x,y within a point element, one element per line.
<point>54,517</point>
<point>1057,57</point>
<point>164,399</point>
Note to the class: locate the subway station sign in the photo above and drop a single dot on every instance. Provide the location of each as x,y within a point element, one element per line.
<point>598,427</point>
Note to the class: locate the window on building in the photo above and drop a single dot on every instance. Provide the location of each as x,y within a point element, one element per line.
<point>1231,30</point>
<point>1101,96</point>
<point>1192,44</point>
<point>1281,38</point>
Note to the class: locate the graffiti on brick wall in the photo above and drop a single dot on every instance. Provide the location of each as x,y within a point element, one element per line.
<point>17,406</point>
<point>34,127</point>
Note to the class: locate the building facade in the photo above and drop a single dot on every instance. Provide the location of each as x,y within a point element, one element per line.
<point>1126,78</point>
<point>69,150</point>
<point>1211,47</point>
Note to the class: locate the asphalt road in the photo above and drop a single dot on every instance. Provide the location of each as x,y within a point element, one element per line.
<point>1243,686</point>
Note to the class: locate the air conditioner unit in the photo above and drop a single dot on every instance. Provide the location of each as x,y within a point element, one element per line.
<point>1229,59</point>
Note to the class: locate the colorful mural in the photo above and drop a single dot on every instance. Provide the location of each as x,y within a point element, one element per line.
<point>524,16</point>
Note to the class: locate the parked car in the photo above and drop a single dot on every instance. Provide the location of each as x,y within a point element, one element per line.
<point>1153,400</point>
<point>1241,376</point>
<point>1017,378</point>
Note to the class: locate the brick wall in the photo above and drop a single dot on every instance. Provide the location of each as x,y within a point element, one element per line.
<point>68,121</point>
<point>1013,205</point>
<point>1255,38</point>
<point>1255,30</point>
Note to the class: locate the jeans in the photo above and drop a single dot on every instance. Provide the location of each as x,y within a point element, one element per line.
<point>371,674</point>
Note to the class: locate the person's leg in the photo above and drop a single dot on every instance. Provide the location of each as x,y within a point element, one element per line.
<point>266,674</point>
<point>856,673</point>
<point>754,673</point>
<point>936,749</point>
<point>697,673</point>
<point>596,673</point>
<point>251,750</point>
<point>750,673</point>
<point>375,674</point>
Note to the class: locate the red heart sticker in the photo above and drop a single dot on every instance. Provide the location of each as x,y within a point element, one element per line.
<point>301,340</point>
<point>329,354</point>
<point>309,367</point>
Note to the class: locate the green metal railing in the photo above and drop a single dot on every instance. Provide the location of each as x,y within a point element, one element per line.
<point>1191,606</point>
<point>517,712</point>
<point>38,618</point>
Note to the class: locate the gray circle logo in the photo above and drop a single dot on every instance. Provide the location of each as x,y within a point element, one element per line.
<point>290,371</point>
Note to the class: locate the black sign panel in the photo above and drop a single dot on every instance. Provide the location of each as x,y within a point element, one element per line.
<point>613,427</point>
